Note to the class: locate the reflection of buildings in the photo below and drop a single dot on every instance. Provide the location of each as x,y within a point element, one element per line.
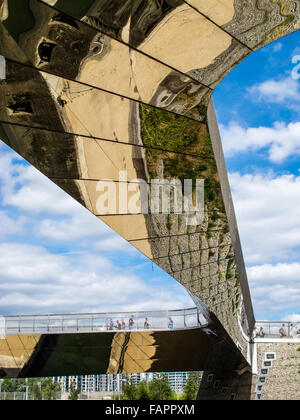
<point>114,383</point>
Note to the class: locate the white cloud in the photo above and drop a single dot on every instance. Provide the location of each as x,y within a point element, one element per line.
<point>12,226</point>
<point>32,192</point>
<point>83,278</point>
<point>268,219</point>
<point>282,140</point>
<point>33,280</point>
<point>276,91</point>
<point>57,216</point>
<point>275,288</point>
<point>277,47</point>
<point>292,317</point>
<point>268,215</point>
<point>114,244</point>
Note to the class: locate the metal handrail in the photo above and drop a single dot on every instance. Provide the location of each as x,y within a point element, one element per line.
<point>99,313</point>
<point>278,329</point>
<point>101,322</point>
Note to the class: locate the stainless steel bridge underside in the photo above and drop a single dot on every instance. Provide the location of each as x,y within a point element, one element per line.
<point>190,345</point>
<point>94,88</point>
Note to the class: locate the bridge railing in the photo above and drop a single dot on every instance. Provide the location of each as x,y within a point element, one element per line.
<point>277,329</point>
<point>105,322</point>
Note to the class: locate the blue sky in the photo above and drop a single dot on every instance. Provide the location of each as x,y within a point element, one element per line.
<point>56,257</point>
<point>260,132</point>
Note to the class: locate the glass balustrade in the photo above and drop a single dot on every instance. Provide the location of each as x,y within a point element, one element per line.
<point>105,322</point>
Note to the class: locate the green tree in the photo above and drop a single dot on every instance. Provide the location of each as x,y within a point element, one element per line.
<point>74,392</point>
<point>160,389</point>
<point>50,389</point>
<point>34,390</point>
<point>192,386</point>
<point>13,385</point>
<point>130,390</point>
<point>142,391</point>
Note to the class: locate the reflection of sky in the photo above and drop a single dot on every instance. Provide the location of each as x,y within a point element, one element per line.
<point>261,138</point>
<point>56,257</point>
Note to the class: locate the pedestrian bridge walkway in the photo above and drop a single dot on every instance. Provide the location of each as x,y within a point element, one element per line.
<point>103,322</point>
<point>114,342</point>
<point>277,331</point>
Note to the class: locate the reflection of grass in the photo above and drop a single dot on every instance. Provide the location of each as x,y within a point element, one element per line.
<point>73,8</point>
<point>20,18</point>
<point>160,129</point>
<point>166,130</point>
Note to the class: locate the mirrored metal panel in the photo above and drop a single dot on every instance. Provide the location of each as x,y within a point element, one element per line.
<point>59,44</point>
<point>255,24</point>
<point>96,91</point>
<point>149,342</point>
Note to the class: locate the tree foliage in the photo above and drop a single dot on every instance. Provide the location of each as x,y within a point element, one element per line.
<point>13,385</point>
<point>130,390</point>
<point>160,389</point>
<point>36,388</point>
<point>192,385</point>
<point>142,391</point>
<point>73,392</point>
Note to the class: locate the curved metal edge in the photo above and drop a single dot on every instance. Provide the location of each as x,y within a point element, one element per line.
<point>227,197</point>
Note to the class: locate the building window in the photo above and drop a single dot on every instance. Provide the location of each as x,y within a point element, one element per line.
<point>264,372</point>
<point>270,356</point>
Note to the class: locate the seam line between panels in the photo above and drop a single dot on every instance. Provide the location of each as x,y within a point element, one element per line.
<point>200,265</point>
<point>31,66</point>
<point>127,45</point>
<point>147,214</point>
<point>102,139</point>
<point>192,252</point>
<point>218,26</point>
<point>127,182</point>
<point>100,89</point>
<point>190,283</point>
<point>152,238</point>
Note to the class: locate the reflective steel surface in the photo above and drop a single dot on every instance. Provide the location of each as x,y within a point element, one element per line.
<point>119,92</point>
<point>186,344</point>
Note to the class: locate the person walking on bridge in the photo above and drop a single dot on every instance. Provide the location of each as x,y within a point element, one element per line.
<point>282,331</point>
<point>131,322</point>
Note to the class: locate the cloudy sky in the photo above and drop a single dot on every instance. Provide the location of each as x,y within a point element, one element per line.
<point>56,257</point>
<point>261,139</point>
